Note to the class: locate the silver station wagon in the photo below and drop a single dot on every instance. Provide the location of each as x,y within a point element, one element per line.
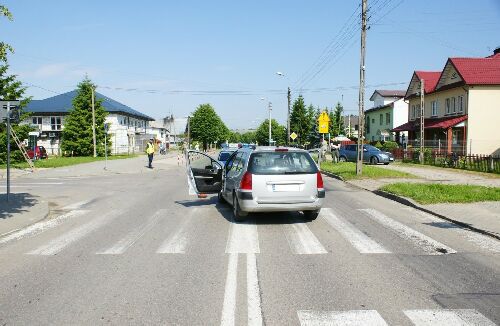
<point>266,179</point>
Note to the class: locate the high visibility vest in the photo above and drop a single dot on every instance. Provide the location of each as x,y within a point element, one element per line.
<point>150,149</point>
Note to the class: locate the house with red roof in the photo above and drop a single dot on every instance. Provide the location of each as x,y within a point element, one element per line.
<point>461,106</point>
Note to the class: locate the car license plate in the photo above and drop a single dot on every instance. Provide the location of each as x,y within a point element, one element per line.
<point>391,159</point>
<point>291,187</point>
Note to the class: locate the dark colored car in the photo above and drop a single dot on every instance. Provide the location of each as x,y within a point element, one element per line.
<point>224,156</point>
<point>39,152</point>
<point>371,154</point>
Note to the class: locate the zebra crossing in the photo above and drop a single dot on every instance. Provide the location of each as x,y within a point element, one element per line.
<point>243,238</point>
<point>418,317</point>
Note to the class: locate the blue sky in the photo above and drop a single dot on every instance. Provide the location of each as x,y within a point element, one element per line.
<point>163,57</point>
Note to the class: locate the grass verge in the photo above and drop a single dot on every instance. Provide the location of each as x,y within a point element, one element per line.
<point>347,170</point>
<point>55,162</point>
<point>434,167</point>
<point>428,193</point>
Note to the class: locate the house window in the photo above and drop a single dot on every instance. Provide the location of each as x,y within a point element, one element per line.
<point>418,110</point>
<point>37,121</point>
<point>387,118</point>
<point>413,111</point>
<point>448,111</point>
<point>381,119</point>
<point>434,106</point>
<point>454,104</point>
<point>373,120</point>
<point>460,104</point>
<point>55,123</point>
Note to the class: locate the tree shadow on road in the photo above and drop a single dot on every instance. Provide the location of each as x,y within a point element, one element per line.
<point>18,203</point>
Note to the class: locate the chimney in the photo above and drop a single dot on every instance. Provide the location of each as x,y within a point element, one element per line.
<point>497,50</point>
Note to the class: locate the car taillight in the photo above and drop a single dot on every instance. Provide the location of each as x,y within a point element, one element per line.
<point>319,180</point>
<point>246,181</point>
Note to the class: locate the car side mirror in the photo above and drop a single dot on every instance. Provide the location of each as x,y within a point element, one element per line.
<point>365,150</point>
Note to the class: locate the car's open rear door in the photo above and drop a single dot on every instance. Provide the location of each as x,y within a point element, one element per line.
<point>204,174</point>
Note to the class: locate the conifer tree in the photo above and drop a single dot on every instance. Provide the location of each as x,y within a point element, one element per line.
<point>77,133</point>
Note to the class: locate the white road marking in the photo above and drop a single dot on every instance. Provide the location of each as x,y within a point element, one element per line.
<point>40,227</point>
<point>177,243</point>
<point>302,241</point>
<point>34,183</point>
<point>438,317</point>
<point>422,241</point>
<point>77,205</point>
<point>340,318</point>
<point>229,305</point>
<point>243,239</point>
<point>358,239</point>
<point>121,246</point>
<point>61,242</point>
<point>253,292</point>
<point>480,240</point>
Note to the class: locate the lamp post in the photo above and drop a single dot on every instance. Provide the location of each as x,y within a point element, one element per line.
<point>288,96</point>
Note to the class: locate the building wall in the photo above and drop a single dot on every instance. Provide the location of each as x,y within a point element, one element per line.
<point>440,97</point>
<point>483,122</point>
<point>376,127</point>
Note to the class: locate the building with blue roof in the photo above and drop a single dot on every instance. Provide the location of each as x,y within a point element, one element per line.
<point>129,129</point>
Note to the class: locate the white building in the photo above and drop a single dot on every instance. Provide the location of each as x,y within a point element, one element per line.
<point>177,128</point>
<point>389,110</point>
<point>129,129</point>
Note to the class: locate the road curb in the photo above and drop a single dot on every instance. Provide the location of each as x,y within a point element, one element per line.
<point>42,212</point>
<point>409,203</point>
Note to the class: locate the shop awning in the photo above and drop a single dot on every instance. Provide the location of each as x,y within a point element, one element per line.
<point>439,123</point>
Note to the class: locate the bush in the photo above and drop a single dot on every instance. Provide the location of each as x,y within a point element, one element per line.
<point>378,145</point>
<point>390,145</point>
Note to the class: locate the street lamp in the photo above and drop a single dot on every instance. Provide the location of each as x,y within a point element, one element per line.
<point>288,96</point>
<point>269,105</point>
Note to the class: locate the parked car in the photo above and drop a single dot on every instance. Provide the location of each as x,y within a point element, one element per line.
<point>39,152</point>
<point>266,179</point>
<point>371,154</point>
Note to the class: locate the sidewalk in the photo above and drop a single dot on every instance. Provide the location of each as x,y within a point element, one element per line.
<point>484,216</point>
<point>23,209</point>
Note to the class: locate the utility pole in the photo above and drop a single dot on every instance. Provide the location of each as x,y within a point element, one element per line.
<point>422,113</point>
<point>289,95</point>
<point>93,122</point>
<point>189,134</point>
<point>270,135</point>
<point>359,159</point>
<point>8,151</point>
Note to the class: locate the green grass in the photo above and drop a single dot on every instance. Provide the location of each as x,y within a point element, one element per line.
<point>347,170</point>
<point>55,162</point>
<point>425,193</point>
<point>425,166</point>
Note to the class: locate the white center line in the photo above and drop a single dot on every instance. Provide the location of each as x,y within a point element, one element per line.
<point>302,241</point>
<point>121,246</point>
<point>253,292</point>
<point>340,318</point>
<point>177,243</point>
<point>438,317</point>
<point>229,305</point>
<point>243,238</point>
<point>422,241</point>
<point>358,239</point>
<point>61,242</point>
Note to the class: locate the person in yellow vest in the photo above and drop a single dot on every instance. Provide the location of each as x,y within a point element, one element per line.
<point>150,150</point>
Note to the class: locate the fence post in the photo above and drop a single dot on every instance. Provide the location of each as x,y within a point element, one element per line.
<point>490,165</point>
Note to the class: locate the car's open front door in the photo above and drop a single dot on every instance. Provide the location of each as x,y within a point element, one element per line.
<point>204,174</point>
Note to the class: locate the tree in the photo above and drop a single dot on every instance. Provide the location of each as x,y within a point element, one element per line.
<point>338,121</point>
<point>234,137</point>
<point>299,122</point>
<point>11,89</point>
<point>278,133</point>
<point>77,136</point>
<point>207,127</point>
<point>313,115</point>
<point>4,47</point>
<point>249,137</point>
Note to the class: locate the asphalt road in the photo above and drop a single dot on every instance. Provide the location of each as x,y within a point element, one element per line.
<point>136,249</point>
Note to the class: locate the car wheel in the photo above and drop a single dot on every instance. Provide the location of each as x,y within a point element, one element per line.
<point>373,160</point>
<point>220,197</point>
<point>342,159</point>
<point>238,215</point>
<point>386,163</point>
<point>311,215</point>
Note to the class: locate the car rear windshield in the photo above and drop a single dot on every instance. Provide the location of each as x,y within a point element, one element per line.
<point>224,156</point>
<point>281,163</point>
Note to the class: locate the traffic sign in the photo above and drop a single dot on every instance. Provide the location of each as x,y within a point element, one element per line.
<point>293,135</point>
<point>324,121</point>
